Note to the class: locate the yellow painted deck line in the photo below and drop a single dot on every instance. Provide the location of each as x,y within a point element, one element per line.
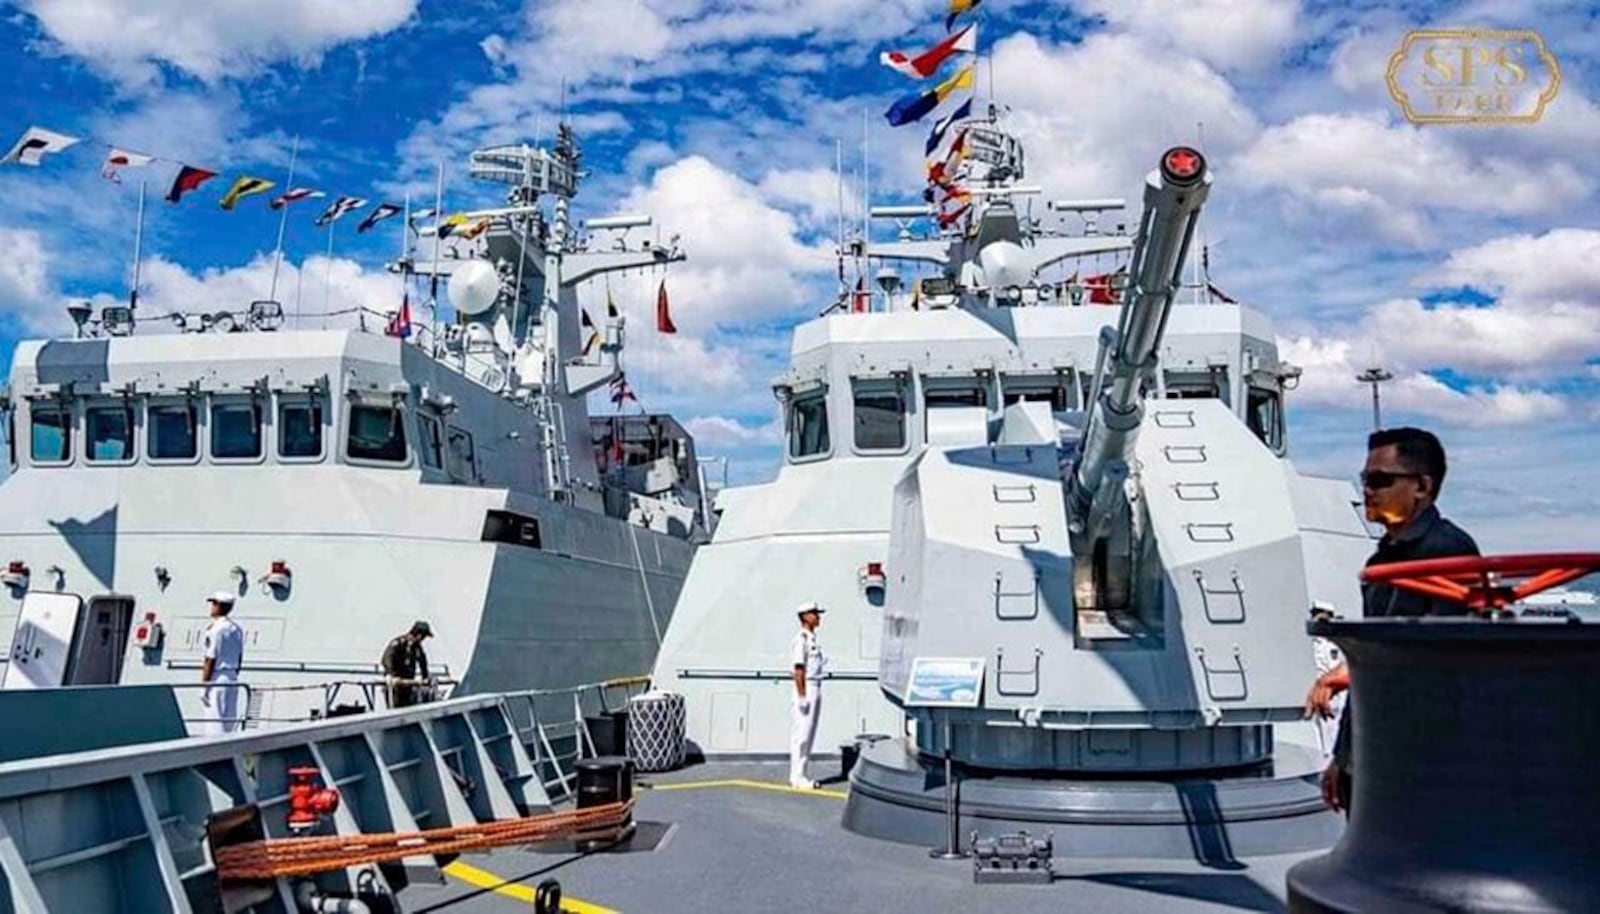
<point>742,783</point>
<point>484,879</point>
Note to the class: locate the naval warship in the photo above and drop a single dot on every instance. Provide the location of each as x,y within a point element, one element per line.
<point>346,482</point>
<point>1069,565</point>
<point>1087,603</point>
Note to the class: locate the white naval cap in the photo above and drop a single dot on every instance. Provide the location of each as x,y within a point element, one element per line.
<point>223,597</point>
<point>809,606</point>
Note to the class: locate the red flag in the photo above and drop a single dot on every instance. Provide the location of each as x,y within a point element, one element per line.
<point>951,218</point>
<point>189,178</point>
<point>861,301</point>
<point>1100,291</point>
<point>664,322</point>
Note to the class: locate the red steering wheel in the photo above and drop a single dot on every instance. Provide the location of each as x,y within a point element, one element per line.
<point>1488,582</point>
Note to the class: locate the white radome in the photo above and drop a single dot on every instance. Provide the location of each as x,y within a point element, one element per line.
<point>474,286</point>
<point>1004,263</point>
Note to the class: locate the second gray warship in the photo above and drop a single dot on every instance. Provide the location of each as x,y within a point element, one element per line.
<point>344,483</point>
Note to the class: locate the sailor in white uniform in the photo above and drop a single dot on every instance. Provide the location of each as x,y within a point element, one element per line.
<point>805,654</point>
<point>224,655</point>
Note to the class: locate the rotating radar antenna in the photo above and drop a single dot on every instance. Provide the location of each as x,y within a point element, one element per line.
<point>531,170</point>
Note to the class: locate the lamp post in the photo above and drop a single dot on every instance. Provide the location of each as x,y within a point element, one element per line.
<point>1375,376</point>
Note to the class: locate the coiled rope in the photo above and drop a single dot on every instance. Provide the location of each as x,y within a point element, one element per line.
<point>279,857</point>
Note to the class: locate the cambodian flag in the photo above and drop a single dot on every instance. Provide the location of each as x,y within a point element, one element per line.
<point>400,324</point>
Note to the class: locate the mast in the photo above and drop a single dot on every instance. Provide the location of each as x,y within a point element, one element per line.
<point>550,316</point>
<point>327,275</point>
<point>405,262</point>
<point>283,220</point>
<point>838,178</point>
<point>138,247</point>
<point>433,288</point>
<point>866,208</point>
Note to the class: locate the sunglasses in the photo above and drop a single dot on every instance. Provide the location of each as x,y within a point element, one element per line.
<point>1381,479</point>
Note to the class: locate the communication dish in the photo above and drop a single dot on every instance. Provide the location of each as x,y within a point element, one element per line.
<point>474,286</point>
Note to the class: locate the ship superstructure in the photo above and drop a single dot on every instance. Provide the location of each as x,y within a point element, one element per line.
<point>999,342</point>
<point>346,482</point>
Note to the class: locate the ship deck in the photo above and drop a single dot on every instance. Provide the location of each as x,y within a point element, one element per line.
<point>733,837</point>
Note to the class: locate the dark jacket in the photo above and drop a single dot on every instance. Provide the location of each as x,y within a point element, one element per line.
<point>1428,536</point>
<point>405,659</point>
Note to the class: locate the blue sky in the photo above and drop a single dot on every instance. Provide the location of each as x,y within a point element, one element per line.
<point>1465,259</point>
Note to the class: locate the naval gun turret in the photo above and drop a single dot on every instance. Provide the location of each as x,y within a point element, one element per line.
<point>1100,513</point>
<point>1098,615</point>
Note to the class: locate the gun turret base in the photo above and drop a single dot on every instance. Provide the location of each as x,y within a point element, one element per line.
<point>1275,808</point>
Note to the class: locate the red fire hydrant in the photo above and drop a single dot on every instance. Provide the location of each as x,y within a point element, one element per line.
<point>309,801</point>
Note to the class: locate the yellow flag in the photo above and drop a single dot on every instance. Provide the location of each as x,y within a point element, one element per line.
<point>244,187</point>
<point>450,224</point>
<point>963,79</point>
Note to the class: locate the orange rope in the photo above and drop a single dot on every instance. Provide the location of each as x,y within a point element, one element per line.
<point>281,857</point>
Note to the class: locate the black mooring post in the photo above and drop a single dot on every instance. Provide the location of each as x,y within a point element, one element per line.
<point>952,819</point>
<point>1475,747</point>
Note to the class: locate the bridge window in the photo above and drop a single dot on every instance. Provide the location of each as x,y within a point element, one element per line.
<point>300,429</point>
<point>808,425</point>
<point>880,419</point>
<point>376,433</point>
<point>51,433</point>
<point>235,431</point>
<point>170,430</point>
<point>1265,416</point>
<point>1197,385</point>
<point>1057,390</point>
<point>109,430</point>
<point>943,396</point>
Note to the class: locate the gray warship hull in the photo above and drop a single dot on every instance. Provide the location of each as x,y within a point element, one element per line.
<point>368,556</point>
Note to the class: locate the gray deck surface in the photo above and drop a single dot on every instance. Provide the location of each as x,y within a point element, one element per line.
<point>739,847</point>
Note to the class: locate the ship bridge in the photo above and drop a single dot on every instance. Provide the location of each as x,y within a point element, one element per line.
<point>886,383</point>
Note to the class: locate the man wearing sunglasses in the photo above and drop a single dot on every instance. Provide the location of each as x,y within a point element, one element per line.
<point>1400,484</point>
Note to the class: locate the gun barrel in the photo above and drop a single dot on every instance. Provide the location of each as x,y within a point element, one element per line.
<point>1173,196</point>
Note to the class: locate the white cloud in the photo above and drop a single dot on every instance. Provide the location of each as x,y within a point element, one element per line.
<point>594,36</point>
<point>644,52</point>
<point>212,39</point>
<point>310,290</point>
<point>1083,142</point>
<point>1492,338</point>
<point>747,262</point>
<point>1389,174</point>
<point>1360,63</point>
<point>1561,265</point>
<point>723,433</point>
<point>25,283</point>
<point>814,193</point>
<point>1232,34</point>
<point>1330,366</point>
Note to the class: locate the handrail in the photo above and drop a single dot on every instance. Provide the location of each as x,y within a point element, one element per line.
<point>73,769</point>
<point>777,675</point>
<point>371,689</point>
